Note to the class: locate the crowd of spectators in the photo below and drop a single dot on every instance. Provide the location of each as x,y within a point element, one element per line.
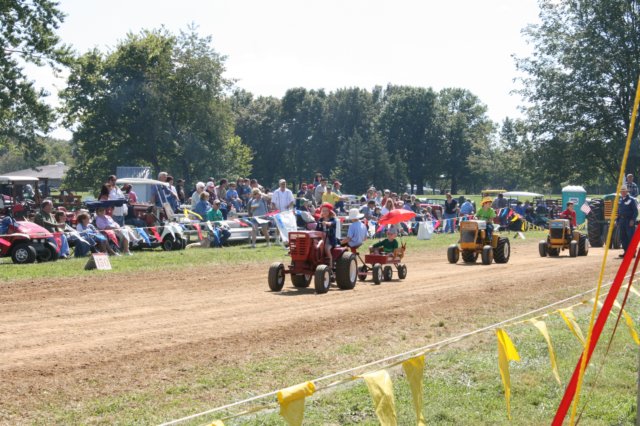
<point>245,199</point>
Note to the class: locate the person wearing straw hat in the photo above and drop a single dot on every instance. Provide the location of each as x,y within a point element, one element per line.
<point>357,233</point>
<point>627,216</point>
<point>487,213</point>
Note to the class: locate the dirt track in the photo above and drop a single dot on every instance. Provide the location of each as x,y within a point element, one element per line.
<point>64,342</point>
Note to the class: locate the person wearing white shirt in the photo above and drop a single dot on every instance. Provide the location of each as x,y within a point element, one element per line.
<point>282,199</point>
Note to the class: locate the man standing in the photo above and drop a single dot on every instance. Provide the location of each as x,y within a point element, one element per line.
<point>116,194</point>
<point>320,190</point>
<point>627,215</point>
<point>631,186</point>
<point>450,213</point>
<point>282,198</point>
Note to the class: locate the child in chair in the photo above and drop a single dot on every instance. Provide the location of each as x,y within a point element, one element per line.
<point>389,245</point>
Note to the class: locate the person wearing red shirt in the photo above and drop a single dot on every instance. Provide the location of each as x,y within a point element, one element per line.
<point>570,214</point>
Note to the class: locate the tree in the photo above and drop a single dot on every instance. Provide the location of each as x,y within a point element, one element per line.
<point>408,123</point>
<point>156,100</point>
<point>580,83</point>
<point>467,133</point>
<point>27,35</point>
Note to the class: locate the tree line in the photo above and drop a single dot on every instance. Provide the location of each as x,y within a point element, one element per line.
<point>160,99</point>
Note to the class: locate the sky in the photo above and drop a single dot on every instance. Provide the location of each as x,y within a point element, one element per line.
<point>271,46</point>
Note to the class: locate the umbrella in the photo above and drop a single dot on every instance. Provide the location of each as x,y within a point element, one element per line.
<point>396,216</point>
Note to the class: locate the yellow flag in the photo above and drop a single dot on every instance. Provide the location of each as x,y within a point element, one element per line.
<point>630,324</point>
<point>381,390</point>
<point>217,423</point>
<point>291,402</point>
<point>506,352</point>
<point>570,319</point>
<point>542,327</point>
<point>414,370</point>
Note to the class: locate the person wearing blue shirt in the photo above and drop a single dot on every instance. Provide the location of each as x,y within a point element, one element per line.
<point>627,215</point>
<point>357,233</point>
<point>466,209</point>
<point>520,209</point>
<point>202,206</point>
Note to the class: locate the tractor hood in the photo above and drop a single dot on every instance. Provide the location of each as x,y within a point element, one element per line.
<point>33,230</point>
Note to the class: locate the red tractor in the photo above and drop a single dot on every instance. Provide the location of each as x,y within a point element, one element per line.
<point>26,242</point>
<point>308,261</point>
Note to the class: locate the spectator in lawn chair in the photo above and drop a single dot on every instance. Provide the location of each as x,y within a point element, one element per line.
<point>369,209</point>
<point>500,202</point>
<point>160,193</point>
<point>91,234</point>
<point>221,193</point>
<point>47,220</point>
<point>119,212</point>
<point>244,191</point>
<point>631,186</point>
<point>257,209</point>
<point>125,235</point>
<point>387,207</point>
<point>222,233</point>
<point>233,198</point>
<point>520,209</point>
<point>195,197</point>
<point>203,206</point>
<point>81,246</point>
<point>300,196</point>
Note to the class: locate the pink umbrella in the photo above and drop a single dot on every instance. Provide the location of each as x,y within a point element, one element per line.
<point>396,216</point>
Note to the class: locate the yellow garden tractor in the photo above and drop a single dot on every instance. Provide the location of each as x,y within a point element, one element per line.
<point>474,242</point>
<point>561,237</point>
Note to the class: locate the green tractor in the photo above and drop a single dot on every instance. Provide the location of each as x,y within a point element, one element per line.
<point>599,220</point>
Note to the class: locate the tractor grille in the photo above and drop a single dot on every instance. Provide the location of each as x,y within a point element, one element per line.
<point>556,233</point>
<point>299,244</point>
<point>468,236</point>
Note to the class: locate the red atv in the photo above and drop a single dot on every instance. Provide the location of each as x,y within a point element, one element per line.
<point>26,242</point>
<point>308,261</point>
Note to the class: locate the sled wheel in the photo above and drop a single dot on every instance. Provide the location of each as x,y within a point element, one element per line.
<point>387,273</point>
<point>402,271</point>
<point>502,252</point>
<point>322,279</point>
<point>276,276</point>
<point>453,253</point>
<point>377,273</point>
<point>301,280</point>
<point>23,253</point>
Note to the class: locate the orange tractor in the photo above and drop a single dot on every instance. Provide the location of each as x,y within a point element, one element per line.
<point>308,262</point>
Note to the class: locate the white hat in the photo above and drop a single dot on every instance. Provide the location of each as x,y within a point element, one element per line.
<point>355,214</point>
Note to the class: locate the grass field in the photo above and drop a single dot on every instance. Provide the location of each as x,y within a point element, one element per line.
<point>462,383</point>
